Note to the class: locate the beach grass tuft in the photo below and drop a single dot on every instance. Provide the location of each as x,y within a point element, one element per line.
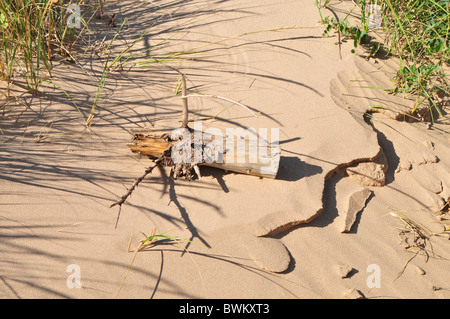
<point>31,32</point>
<point>153,240</point>
<point>414,31</point>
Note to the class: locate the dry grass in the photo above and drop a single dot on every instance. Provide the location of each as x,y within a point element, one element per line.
<point>417,237</point>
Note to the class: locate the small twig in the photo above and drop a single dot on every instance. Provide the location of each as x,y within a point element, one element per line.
<point>185,118</point>
<point>132,188</point>
<point>118,216</point>
<point>223,98</point>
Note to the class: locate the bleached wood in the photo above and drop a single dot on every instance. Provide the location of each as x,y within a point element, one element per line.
<point>155,143</point>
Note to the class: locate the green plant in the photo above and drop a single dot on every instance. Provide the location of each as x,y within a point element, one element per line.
<point>364,23</point>
<point>359,36</point>
<point>411,79</point>
<point>150,241</point>
<point>345,29</point>
<point>320,5</point>
<point>417,32</point>
<point>3,23</point>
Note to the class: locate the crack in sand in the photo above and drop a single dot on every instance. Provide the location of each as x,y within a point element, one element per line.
<point>399,150</point>
<point>408,144</point>
<point>279,222</point>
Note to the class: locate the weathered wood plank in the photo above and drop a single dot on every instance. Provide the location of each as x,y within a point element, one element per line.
<point>265,163</point>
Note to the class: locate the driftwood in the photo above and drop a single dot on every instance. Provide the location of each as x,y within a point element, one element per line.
<point>186,150</point>
<point>156,143</point>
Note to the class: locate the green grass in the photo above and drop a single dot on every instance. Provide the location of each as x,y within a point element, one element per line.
<point>153,240</point>
<point>32,31</point>
<point>111,64</point>
<point>416,32</point>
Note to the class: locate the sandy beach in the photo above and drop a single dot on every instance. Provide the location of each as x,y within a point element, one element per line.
<point>322,229</point>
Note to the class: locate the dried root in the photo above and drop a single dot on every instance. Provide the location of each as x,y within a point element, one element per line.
<point>187,171</point>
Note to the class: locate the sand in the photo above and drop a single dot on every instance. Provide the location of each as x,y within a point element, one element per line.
<point>251,237</point>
